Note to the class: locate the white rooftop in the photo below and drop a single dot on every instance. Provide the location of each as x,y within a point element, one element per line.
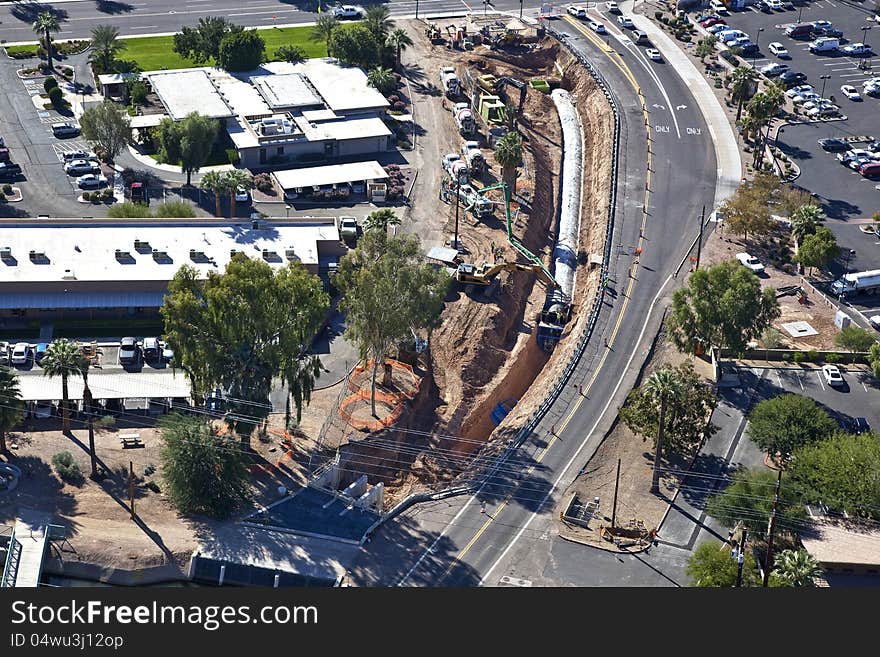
<point>354,129</point>
<point>147,120</point>
<point>114,78</point>
<point>286,90</point>
<point>88,252</point>
<point>343,88</point>
<point>108,385</point>
<point>330,175</point>
<point>188,90</point>
<point>239,94</point>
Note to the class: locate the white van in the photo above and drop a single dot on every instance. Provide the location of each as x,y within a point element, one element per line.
<point>718,7</point>
<point>824,44</point>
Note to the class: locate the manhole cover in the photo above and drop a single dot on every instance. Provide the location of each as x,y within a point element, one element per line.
<point>799,329</point>
<point>514,581</point>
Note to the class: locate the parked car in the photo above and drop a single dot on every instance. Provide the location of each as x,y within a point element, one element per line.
<point>625,21</point>
<point>858,50</point>
<point>875,321</point>
<point>775,5</point>
<point>79,155</point>
<point>779,50</point>
<point>597,27</point>
<point>9,171</point>
<point>346,11</point>
<point>577,11</point>
<point>828,32</point>
<point>80,167</point>
<point>129,351</point>
<point>823,109</point>
<point>717,28</point>
<point>797,91</point>
<point>773,70</point>
<point>801,31</point>
<point>760,5</point>
<point>806,97</point>
<point>824,45</point>
<point>91,181</point>
<point>65,129</point>
<point>833,145</point>
<point>348,227</point>
<point>613,7</point>
<point>792,78</point>
<point>21,353</point>
<point>654,55</point>
<point>870,170</point>
<point>43,409</point>
<point>40,351</point>
<point>853,154</point>
<point>241,194</point>
<point>712,20</point>
<point>832,375</point>
<point>719,7</point>
<point>750,261</point>
<point>850,92</point>
<point>152,349</point>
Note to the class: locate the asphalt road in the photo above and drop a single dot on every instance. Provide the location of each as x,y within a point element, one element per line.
<point>451,542</point>
<point>161,16</point>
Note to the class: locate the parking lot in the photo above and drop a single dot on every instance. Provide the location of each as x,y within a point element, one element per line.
<point>846,195</point>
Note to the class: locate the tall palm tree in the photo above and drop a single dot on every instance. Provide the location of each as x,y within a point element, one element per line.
<point>797,567</point>
<point>45,26</point>
<point>804,221</point>
<point>382,79</point>
<point>663,386</point>
<point>377,20</point>
<point>63,358</point>
<point>105,46</point>
<point>741,81</point>
<point>323,30</point>
<point>399,40</point>
<point>217,183</point>
<point>235,179</point>
<point>380,220</point>
<point>508,154</point>
<point>11,405</point>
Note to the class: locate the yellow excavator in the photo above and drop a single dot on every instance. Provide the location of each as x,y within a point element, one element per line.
<point>470,274</point>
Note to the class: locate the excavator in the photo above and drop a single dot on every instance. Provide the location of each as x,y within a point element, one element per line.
<point>470,274</point>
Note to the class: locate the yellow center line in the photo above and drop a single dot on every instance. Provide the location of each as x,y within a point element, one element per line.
<point>632,280</point>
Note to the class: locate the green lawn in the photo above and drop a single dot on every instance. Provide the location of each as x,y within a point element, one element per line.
<point>154,53</point>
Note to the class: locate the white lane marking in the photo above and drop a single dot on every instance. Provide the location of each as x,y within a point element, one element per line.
<point>819,376</point>
<point>800,381</point>
<point>582,445</point>
<point>778,378</point>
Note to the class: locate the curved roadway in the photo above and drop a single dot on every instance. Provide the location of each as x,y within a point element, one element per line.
<point>505,533</point>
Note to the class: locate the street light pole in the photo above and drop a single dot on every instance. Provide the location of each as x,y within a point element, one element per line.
<point>800,11</point>
<point>863,64</point>
<point>824,79</point>
<point>755,52</point>
<point>520,8</point>
<point>417,9</point>
<point>287,211</point>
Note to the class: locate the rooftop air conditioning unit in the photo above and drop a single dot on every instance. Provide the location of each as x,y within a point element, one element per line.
<point>37,255</point>
<point>122,255</point>
<point>267,254</point>
<point>68,275</point>
<point>196,255</point>
<point>5,252</point>
<point>290,254</point>
<point>232,252</point>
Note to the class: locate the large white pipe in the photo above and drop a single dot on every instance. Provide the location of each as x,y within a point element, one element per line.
<point>565,252</point>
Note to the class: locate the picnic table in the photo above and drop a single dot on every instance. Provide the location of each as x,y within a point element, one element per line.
<point>130,440</point>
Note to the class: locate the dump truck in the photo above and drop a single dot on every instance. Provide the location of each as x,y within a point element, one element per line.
<point>450,82</point>
<point>862,282</point>
<point>464,118</point>
<point>473,157</point>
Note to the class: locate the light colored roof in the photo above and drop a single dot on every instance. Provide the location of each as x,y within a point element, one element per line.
<point>188,90</point>
<point>319,115</point>
<point>108,385</point>
<point>89,250</point>
<point>239,94</point>
<point>147,120</point>
<point>354,129</point>
<point>343,88</point>
<point>240,136</point>
<point>843,543</point>
<point>114,78</point>
<point>330,174</point>
<point>286,90</point>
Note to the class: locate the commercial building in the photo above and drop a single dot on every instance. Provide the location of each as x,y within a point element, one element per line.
<point>92,269</point>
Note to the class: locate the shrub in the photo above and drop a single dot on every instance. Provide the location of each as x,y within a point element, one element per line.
<point>149,469</point>
<point>2,197</point>
<point>67,467</point>
<point>813,356</point>
<point>232,155</point>
<point>7,188</point>
<point>398,106</point>
<point>56,97</point>
<point>107,193</point>
<point>153,486</point>
<point>175,210</point>
<point>831,359</point>
<point>798,357</point>
<point>105,422</point>
<point>49,83</point>
<point>263,182</point>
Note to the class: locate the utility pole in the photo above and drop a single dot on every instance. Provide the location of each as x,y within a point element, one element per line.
<point>417,9</point>
<point>741,558</point>
<point>87,407</point>
<point>457,193</point>
<point>131,488</point>
<point>771,529</point>
<point>700,240</point>
<point>614,504</point>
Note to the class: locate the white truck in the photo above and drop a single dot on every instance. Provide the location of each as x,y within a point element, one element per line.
<point>862,282</point>
<point>456,168</point>
<point>449,80</point>
<point>473,156</point>
<point>464,118</point>
<point>825,44</point>
<point>348,228</point>
<point>475,202</point>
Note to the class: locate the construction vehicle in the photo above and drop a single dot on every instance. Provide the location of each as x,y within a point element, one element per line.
<point>457,35</point>
<point>457,168</point>
<point>471,199</point>
<point>469,274</point>
<point>487,82</point>
<point>464,118</point>
<point>450,82</point>
<point>862,282</point>
<point>492,110</point>
<point>473,157</point>
<point>435,36</point>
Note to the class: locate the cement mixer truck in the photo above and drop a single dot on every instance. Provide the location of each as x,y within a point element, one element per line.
<point>464,118</point>
<point>450,82</point>
<point>473,157</point>
<point>456,168</point>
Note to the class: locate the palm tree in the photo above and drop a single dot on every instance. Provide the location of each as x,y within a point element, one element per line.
<point>63,358</point>
<point>323,30</point>
<point>741,81</point>
<point>508,154</point>
<point>290,54</point>
<point>804,221</point>
<point>11,405</point>
<point>235,179</point>
<point>377,21</point>
<point>105,46</point>
<point>217,183</point>
<point>399,40</point>
<point>380,220</point>
<point>45,26</point>
<point>662,386</point>
<point>382,79</point>
<point>797,567</point>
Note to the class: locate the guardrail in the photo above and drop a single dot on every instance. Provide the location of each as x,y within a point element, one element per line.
<point>11,556</point>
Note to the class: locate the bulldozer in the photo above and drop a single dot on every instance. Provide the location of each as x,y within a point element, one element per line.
<point>470,274</point>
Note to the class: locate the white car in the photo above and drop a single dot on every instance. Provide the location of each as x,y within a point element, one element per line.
<point>654,55</point>
<point>91,181</point>
<point>21,353</point>
<point>797,91</point>
<point>779,50</point>
<point>241,194</point>
<point>775,4</point>
<point>750,261</point>
<point>80,167</point>
<point>346,11</point>
<point>806,97</point>
<point>872,90</point>
<point>832,375</point>
<point>875,321</point>
<point>871,82</point>
<point>348,227</point>
<point>597,27</point>
<point>858,49</point>
<point>718,27</point>
<point>612,7</point>
<point>850,92</point>
<point>625,21</point>
<point>577,11</point>
<point>822,110</point>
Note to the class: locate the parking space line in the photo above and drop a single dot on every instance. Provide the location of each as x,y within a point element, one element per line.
<point>864,386</point>
<point>800,380</point>
<point>819,376</point>
<point>778,378</point>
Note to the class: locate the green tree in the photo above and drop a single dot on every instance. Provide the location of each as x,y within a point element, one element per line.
<point>805,220</point>
<point>237,178</point>
<point>240,329</point>
<point>508,154</point>
<point>323,31</point>
<point>840,472</point>
<point>107,128</point>
<point>855,338</point>
<point>65,359</point>
<point>56,97</point>
<point>818,249</point>
<point>11,404</point>
<point>706,47</point>
<point>137,91</point>
<point>106,45</point>
<point>355,45</point>
<point>290,54</point>
<point>663,387</point>
<point>721,306</point>
<point>217,183</point>
<point>187,142</point>
<point>712,566</point>
<point>380,220</point>
<point>377,20</point>
<point>202,43</point>
<point>382,79</point>
<point>685,419</point>
<point>742,82</point>
<point>747,211</point>
<point>398,40</point>
<point>242,51</point>
<point>797,568</point>
<point>129,210</point>
<point>763,107</point>
<point>748,498</point>
<point>874,359</point>
<point>388,291</point>
<point>781,424</point>
<point>45,25</point>
<point>203,473</point>
<point>175,210</point>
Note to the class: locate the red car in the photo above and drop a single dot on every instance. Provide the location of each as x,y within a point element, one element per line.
<point>709,22</point>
